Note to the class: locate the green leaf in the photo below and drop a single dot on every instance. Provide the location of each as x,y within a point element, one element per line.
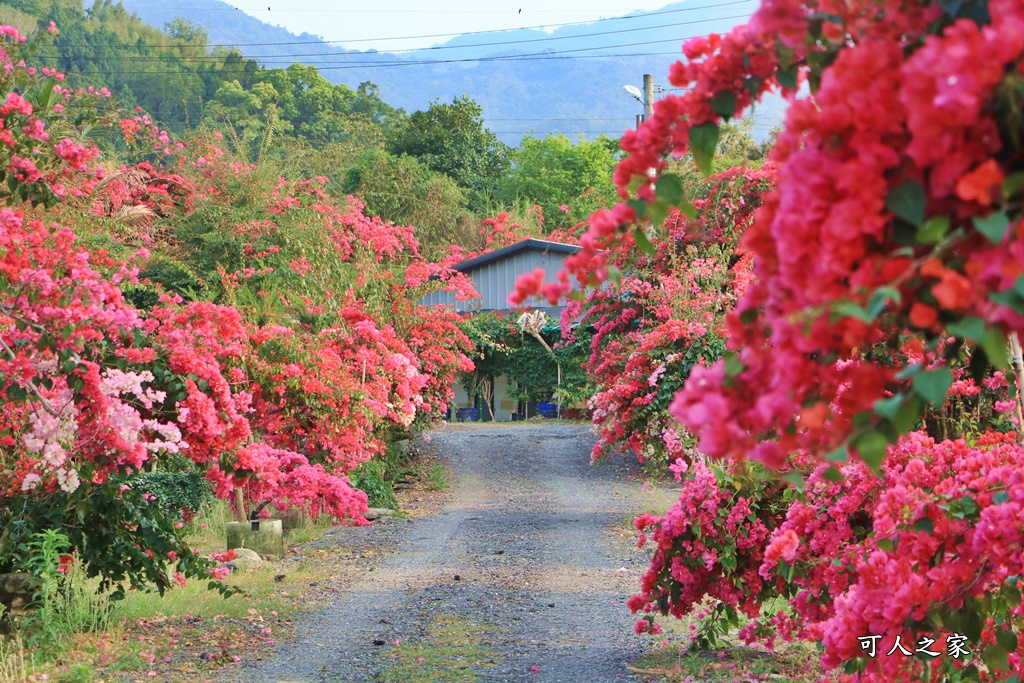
<point>644,242</point>
<point>636,181</point>
<point>932,385</point>
<point>748,316</point>
<point>952,7</point>
<point>849,309</point>
<point>1000,497</point>
<point>657,212</point>
<point>724,104</point>
<point>901,410</point>
<point>795,479</point>
<point>688,209</point>
<point>1009,298</point>
<point>840,454</point>
<point>884,544</point>
<point>933,230</point>
<point>615,276</point>
<point>733,365</point>
<point>925,524</point>
<point>962,508</point>
<point>727,561</point>
<point>787,77</point>
<point>16,392</point>
<point>881,296</point>
<point>887,407</point>
<point>703,141</point>
<point>832,474</point>
<point>907,416</point>
<point>871,448</point>
<point>639,207</point>
<point>968,328</point>
<point>993,226</point>
<point>907,202</point>
<point>1007,640</point>
<point>1013,185</point>
<point>973,625</point>
<point>908,372</point>
<point>995,657</point>
<point>995,348</point>
<point>670,188</point>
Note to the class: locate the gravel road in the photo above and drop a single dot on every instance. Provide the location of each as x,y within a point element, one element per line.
<point>528,546</point>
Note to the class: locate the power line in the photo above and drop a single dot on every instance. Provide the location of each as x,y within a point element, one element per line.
<point>537,56</point>
<point>446,35</point>
<point>439,47</point>
<point>486,120</point>
<point>398,11</point>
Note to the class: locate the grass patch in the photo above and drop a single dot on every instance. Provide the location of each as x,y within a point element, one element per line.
<point>179,634</point>
<point>194,600</point>
<point>797,663</point>
<point>452,652</point>
<point>436,478</point>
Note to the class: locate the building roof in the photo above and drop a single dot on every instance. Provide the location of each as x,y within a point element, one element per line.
<point>505,252</point>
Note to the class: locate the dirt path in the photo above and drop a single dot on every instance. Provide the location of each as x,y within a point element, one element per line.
<point>525,562</point>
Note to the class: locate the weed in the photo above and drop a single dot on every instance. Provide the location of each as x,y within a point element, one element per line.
<point>79,673</point>
<point>205,533</point>
<point>437,480</point>
<point>42,559</point>
<point>14,666</point>
<point>452,652</point>
<point>309,529</point>
<point>372,478</point>
<point>80,607</point>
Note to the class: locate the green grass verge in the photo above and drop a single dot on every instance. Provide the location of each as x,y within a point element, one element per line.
<point>452,652</point>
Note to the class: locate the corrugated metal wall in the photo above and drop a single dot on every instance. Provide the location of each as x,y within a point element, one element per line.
<point>496,280</point>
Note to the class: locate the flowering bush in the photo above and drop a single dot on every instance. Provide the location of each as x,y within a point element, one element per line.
<point>666,315</point>
<point>894,225</point>
<point>301,360</point>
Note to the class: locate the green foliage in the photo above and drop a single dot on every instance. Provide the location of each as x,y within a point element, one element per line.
<point>26,23</point>
<point>176,492</point>
<point>80,608</point>
<point>501,349</point>
<point>41,557</point>
<point>122,527</point>
<point>403,191</point>
<point>553,172</point>
<point>436,478</point>
<point>377,477</point>
<point>79,673</point>
<point>451,139</point>
<point>735,146</point>
<point>372,478</point>
<point>64,601</point>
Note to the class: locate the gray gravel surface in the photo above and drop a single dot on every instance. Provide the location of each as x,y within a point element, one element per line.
<point>533,532</point>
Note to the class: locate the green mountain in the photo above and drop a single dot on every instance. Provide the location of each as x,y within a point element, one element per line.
<point>569,81</point>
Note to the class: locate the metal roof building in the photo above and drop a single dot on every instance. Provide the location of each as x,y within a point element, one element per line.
<point>494,275</point>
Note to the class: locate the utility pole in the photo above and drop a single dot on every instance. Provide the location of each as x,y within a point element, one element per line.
<point>648,95</point>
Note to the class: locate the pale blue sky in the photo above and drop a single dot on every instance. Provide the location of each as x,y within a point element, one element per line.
<point>379,19</point>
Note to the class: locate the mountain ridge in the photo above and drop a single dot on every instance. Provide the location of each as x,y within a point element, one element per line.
<point>568,81</point>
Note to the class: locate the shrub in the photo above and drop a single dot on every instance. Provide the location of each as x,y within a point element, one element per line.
<point>181,494</point>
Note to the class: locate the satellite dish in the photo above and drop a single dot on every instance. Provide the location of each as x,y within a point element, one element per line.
<point>633,92</point>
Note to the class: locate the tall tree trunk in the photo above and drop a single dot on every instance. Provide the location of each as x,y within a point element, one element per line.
<point>1018,370</point>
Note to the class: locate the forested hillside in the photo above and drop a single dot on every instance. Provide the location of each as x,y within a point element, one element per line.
<point>568,80</point>
<point>441,168</point>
